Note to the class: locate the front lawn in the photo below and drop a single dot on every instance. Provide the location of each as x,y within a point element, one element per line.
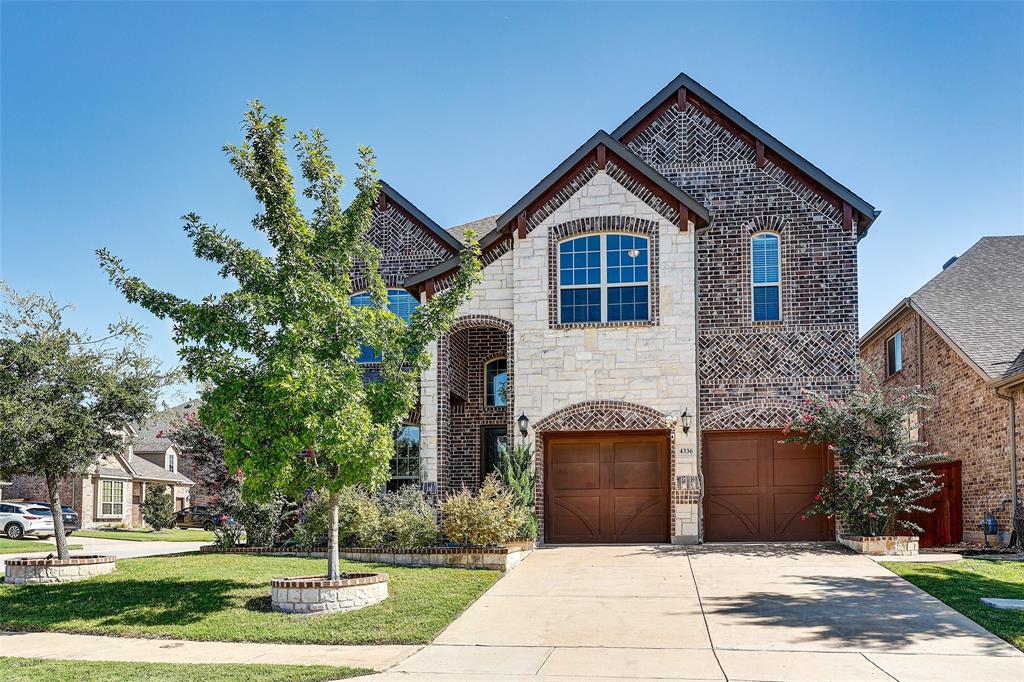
<point>36,669</point>
<point>227,597</point>
<point>963,584</point>
<point>135,535</point>
<point>23,546</point>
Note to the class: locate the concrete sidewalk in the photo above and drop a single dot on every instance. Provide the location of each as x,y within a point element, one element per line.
<point>95,648</point>
<point>779,613</point>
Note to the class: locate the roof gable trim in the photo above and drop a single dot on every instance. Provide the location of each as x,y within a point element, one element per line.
<point>438,233</point>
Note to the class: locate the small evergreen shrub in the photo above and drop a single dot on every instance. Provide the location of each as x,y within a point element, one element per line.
<point>158,508</point>
<point>519,476</point>
<point>360,521</point>
<point>409,519</point>
<point>493,516</point>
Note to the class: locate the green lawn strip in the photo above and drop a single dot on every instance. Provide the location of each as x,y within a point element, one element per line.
<point>962,584</point>
<point>35,669</point>
<point>170,535</point>
<point>217,597</point>
<point>23,547</point>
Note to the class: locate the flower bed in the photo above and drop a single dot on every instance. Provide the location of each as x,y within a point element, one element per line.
<point>319,595</point>
<point>42,570</point>
<point>491,558</point>
<point>882,545</point>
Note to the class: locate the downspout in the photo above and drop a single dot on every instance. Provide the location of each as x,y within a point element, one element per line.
<point>698,429</point>
<point>1013,454</point>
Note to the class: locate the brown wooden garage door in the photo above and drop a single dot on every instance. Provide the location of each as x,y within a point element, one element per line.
<point>606,488</point>
<point>755,489</point>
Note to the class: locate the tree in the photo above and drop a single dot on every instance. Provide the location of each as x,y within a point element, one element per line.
<point>281,350</point>
<point>65,397</point>
<point>158,507</point>
<point>881,472</point>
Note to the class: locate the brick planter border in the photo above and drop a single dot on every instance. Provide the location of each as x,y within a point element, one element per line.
<point>882,545</point>
<point>488,558</point>
<point>41,570</point>
<point>312,594</point>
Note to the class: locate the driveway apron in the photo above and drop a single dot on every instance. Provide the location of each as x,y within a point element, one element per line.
<point>768,612</point>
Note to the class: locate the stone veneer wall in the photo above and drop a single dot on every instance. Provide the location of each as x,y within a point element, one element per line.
<point>751,374</point>
<point>966,419</point>
<point>615,369</point>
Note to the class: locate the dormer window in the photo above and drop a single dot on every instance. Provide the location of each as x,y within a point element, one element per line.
<point>766,277</point>
<point>604,278</point>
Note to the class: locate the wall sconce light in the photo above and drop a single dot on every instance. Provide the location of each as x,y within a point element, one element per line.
<point>685,419</point>
<point>524,424</point>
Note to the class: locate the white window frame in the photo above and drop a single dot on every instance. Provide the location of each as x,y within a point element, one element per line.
<point>755,285</point>
<point>171,461</point>
<point>603,285</point>
<point>897,340</point>
<point>419,456</point>
<point>116,501</point>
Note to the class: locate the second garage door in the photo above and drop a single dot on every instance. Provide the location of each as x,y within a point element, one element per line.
<point>756,489</point>
<point>606,488</point>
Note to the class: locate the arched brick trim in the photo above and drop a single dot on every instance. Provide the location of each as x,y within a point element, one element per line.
<point>604,415</point>
<point>761,413</point>
<point>582,226</point>
<point>767,223</point>
<point>448,482</point>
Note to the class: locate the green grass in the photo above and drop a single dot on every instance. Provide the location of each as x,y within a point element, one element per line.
<point>227,597</point>
<point>22,546</point>
<point>962,585</point>
<point>169,535</point>
<point>36,669</point>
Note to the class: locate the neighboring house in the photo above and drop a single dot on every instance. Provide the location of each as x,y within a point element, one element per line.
<point>963,332</point>
<point>649,314</point>
<point>112,490</point>
<point>153,442</point>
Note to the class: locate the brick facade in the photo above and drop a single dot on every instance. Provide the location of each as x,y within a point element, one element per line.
<point>965,420</point>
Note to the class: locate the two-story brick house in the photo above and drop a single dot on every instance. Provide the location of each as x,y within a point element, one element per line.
<point>962,334</point>
<point>648,315</point>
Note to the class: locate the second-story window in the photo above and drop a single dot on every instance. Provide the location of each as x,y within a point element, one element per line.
<point>894,354</point>
<point>400,302</point>
<point>496,383</point>
<point>766,277</point>
<point>603,278</point>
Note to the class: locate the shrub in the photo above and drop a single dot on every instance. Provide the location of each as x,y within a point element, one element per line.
<point>158,508</point>
<point>519,476</point>
<point>360,522</point>
<point>227,537</point>
<point>409,519</point>
<point>260,520</point>
<point>490,517</point>
<point>880,475</point>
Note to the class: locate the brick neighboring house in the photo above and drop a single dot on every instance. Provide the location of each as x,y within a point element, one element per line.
<point>963,332</point>
<point>650,311</point>
<point>111,489</point>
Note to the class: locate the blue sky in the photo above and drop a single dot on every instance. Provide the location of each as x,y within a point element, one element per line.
<point>113,116</point>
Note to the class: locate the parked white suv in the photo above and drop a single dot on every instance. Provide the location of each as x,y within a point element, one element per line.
<point>18,520</point>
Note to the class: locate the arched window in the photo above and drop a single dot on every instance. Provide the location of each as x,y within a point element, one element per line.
<point>400,302</point>
<point>766,277</point>
<point>603,278</point>
<point>496,383</point>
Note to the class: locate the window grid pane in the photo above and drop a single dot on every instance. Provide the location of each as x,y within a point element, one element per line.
<point>766,303</point>
<point>765,253</point>
<point>580,261</point>
<point>400,302</point>
<point>581,305</point>
<point>406,463</point>
<point>622,267</point>
<point>627,304</point>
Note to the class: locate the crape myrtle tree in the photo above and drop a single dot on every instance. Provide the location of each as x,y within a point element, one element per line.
<point>281,351</point>
<point>67,397</point>
<point>881,472</point>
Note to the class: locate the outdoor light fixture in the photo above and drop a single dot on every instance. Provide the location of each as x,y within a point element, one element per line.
<point>685,418</point>
<point>524,424</point>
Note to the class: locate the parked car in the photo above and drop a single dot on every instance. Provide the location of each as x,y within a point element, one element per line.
<point>201,516</point>
<point>71,520</point>
<point>19,519</point>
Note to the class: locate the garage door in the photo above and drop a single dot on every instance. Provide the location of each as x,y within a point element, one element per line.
<point>606,488</point>
<point>755,488</point>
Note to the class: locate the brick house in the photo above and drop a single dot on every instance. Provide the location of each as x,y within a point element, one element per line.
<point>963,333</point>
<point>649,312</point>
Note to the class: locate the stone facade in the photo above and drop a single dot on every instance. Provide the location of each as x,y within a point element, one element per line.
<point>882,545</point>
<point>319,595</point>
<point>966,419</point>
<point>43,571</point>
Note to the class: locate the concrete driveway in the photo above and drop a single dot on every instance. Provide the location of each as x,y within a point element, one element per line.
<point>735,612</point>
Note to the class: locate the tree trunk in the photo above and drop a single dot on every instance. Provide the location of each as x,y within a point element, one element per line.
<point>332,538</point>
<point>53,488</point>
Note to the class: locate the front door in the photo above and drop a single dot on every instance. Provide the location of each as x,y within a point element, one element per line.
<point>495,438</point>
<point>606,488</point>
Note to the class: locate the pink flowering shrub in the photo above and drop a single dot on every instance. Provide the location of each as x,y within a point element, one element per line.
<point>880,472</point>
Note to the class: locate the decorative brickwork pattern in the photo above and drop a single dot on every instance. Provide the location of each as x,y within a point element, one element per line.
<point>406,247</point>
<point>750,371</point>
<point>627,224</point>
<point>561,196</point>
<point>627,180</point>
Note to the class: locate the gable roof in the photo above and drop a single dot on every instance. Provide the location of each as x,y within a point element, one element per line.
<point>154,435</point>
<point>420,217</point>
<point>977,304</point>
<point>146,470</point>
<point>481,226</point>
<point>781,151</point>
